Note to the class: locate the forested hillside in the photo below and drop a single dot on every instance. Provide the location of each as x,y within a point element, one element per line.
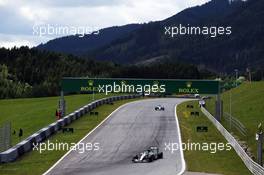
<point>28,72</point>
<point>222,54</point>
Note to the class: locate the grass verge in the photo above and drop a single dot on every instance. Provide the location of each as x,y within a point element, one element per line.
<point>247,106</point>
<point>32,114</point>
<point>35,163</point>
<point>222,162</point>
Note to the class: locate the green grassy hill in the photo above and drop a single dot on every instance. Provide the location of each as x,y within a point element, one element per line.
<point>247,105</point>
<point>32,114</point>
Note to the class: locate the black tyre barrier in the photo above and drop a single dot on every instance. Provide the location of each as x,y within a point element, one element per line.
<point>71,116</point>
<point>67,120</point>
<point>61,123</point>
<point>86,109</point>
<point>90,107</point>
<point>94,104</point>
<point>52,129</point>
<point>10,155</point>
<point>82,111</point>
<point>78,114</point>
<point>26,145</point>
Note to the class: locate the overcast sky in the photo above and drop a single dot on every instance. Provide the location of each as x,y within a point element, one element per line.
<point>19,18</point>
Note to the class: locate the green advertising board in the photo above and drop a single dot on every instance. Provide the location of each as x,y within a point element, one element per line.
<point>147,86</point>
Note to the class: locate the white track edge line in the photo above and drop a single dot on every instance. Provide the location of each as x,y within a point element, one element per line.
<point>54,165</point>
<point>180,142</point>
<point>178,128</point>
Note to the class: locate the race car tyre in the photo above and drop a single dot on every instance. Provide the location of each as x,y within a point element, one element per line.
<point>160,155</point>
<point>151,159</point>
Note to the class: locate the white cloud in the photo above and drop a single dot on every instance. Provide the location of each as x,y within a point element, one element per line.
<point>19,17</point>
<point>76,3</point>
<point>3,2</point>
<point>34,14</point>
<point>10,41</point>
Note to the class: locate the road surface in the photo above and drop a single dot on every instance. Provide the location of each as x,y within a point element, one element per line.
<point>129,130</point>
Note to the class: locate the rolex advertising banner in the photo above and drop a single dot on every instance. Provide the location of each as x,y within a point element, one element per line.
<point>146,86</point>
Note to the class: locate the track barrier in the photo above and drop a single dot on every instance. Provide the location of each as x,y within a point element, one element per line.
<point>26,145</point>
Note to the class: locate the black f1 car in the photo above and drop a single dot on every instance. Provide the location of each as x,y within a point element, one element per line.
<point>148,156</point>
<point>159,108</point>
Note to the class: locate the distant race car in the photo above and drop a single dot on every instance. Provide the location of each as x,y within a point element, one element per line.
<point>206,97</point>
<point>159,108</point>
<point>148,156</point>
<point>197,96</point>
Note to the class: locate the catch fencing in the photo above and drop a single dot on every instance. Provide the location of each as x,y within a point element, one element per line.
<point>234,122</point>
<point>253,167</point>
<point>5,136</point>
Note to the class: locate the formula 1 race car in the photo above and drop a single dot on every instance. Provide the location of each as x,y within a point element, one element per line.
<point>159,108</point>
<point>148,156</point>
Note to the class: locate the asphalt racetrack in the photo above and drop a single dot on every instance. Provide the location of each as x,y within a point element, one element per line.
<point>129,130</point>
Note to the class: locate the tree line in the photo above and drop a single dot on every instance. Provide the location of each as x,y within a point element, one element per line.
<point>26,72</point>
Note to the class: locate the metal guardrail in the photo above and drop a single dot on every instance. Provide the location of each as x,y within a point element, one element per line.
<point>26,145</point>
<point>236,123</point>
<point>253,167</point>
